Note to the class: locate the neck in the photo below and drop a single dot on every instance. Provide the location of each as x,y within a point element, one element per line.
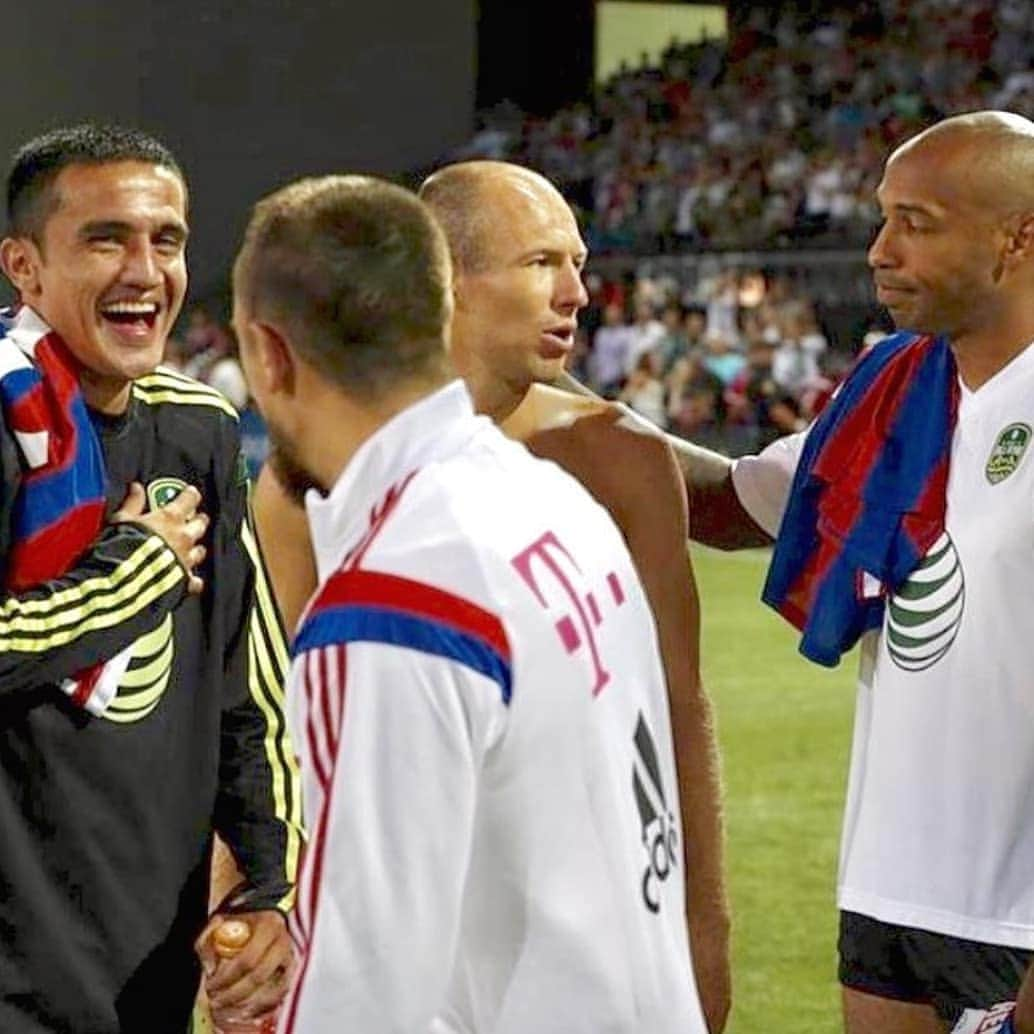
<point>108,395</point>
<point>496,400</point>
<point>493,396</point>
<point>354,423</point>
<point>981,354</point>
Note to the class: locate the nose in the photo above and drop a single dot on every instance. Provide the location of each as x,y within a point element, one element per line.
<point>141,263</point>
<point>569,294</point>
<point>881,253</point>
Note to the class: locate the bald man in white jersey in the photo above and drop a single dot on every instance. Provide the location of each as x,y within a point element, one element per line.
<point>936,888</point>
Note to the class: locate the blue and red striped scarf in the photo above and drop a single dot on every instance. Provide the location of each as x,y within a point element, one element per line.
<point>869,495</point>
<point>59,508</point>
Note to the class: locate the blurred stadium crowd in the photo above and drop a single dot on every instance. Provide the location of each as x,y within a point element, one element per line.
<point>764,145</point>
<point>775,136</point>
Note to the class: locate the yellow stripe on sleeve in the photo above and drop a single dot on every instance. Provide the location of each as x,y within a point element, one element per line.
<point>267,673</point>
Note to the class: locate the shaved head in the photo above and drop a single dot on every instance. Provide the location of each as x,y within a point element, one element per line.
<point>464,198</point>
<point>518,256</point>
<point>955,254</point>
<point>987,156</point>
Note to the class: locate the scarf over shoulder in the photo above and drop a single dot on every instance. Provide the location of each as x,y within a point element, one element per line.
<point>869,495</point>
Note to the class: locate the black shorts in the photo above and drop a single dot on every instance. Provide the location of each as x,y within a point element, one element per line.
<point>908,965</point>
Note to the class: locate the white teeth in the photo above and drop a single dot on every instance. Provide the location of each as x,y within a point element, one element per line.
<point>132,308</point>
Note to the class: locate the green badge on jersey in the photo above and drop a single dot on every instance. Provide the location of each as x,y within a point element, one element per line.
<point>162,491</point>
<point>1008,451</point>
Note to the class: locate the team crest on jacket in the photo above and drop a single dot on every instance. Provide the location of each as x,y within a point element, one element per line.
<point>659,833</point>
<point>145,680</point>
<point>924,615</point>
<point>162,491</point>
<point>1007,453</point>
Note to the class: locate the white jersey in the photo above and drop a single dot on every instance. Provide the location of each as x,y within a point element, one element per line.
<point>481,716</point>
<point>939,825</point>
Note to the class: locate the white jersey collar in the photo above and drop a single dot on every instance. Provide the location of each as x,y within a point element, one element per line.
<point>431,429</point>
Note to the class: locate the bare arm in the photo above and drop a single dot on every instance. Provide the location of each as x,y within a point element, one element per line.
<point>718,519</point>
<point>640,484</point>
<point>283,533</point>
<point>1023,1018</point>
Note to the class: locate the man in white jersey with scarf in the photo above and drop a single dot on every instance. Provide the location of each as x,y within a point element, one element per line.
<point>477,687</point>
<point>935,885</point>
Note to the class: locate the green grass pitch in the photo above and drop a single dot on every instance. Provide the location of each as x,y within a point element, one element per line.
<point>784,732</point>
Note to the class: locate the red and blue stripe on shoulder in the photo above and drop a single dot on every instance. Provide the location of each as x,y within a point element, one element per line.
<point>358,605</point>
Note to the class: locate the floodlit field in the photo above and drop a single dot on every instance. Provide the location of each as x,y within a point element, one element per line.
<point>784,731</point>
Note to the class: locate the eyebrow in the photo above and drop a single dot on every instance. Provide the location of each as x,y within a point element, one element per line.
<point>119,228</point>
<point>904,208</point>
<point>580,257</point>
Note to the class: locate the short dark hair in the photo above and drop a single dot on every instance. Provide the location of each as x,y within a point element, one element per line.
<point>36,164</point>
<point>356,272</point>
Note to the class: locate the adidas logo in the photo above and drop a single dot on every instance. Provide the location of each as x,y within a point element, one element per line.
<point>659,833</point>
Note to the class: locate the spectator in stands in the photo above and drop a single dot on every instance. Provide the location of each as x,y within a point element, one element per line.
<point>696,328</point>
<point>644,389</point>
<point>610,350</point>
<point>647,332</point>
<point>794,365</point>
<point>759,402</point>
<point>754,141</point>
<point>696,406</point>
<point>674,342</point>
<point>204,337</point>
<point>721,357</point>
<point>723,305</point>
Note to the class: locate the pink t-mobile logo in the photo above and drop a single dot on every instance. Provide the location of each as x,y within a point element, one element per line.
<point>576,628</point>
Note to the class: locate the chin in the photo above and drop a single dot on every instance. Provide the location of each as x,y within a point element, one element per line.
<point>547,370</point>
<point>141,365</point>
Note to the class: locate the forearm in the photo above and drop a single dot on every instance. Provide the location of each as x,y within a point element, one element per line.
<point>118,592</point>
<point>707,911</point>
<point>259,804</point>
<point>290,563</point>
<point>700,796</point>
<point>717,518</point>
<point>1023,1018</point>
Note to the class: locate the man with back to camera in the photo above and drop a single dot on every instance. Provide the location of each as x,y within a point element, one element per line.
<point>517,256</point>
<point>140,669</point>
<point>937,904</point>
<point>476,692</point>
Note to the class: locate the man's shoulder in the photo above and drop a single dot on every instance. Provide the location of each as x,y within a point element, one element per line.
<point>615,453</point>
<point>168,388</point>
<point>546,408</point>
<point>584,420</point>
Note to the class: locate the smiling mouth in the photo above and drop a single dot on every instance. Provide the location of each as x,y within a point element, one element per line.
<point>135,316</point>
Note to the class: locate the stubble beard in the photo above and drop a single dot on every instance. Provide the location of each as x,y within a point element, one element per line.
<point>294,478</point>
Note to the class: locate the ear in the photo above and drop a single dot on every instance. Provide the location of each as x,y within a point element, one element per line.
<point>275,363</point>
<point>20,260</point>
<point>460,289</point>
<point>1021,240</point>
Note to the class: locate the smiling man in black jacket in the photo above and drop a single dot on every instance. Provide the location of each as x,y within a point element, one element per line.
<point>141,679</point>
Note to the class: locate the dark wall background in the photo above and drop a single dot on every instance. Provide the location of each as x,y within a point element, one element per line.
<point>537,53</point>
<point>249,94</point>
